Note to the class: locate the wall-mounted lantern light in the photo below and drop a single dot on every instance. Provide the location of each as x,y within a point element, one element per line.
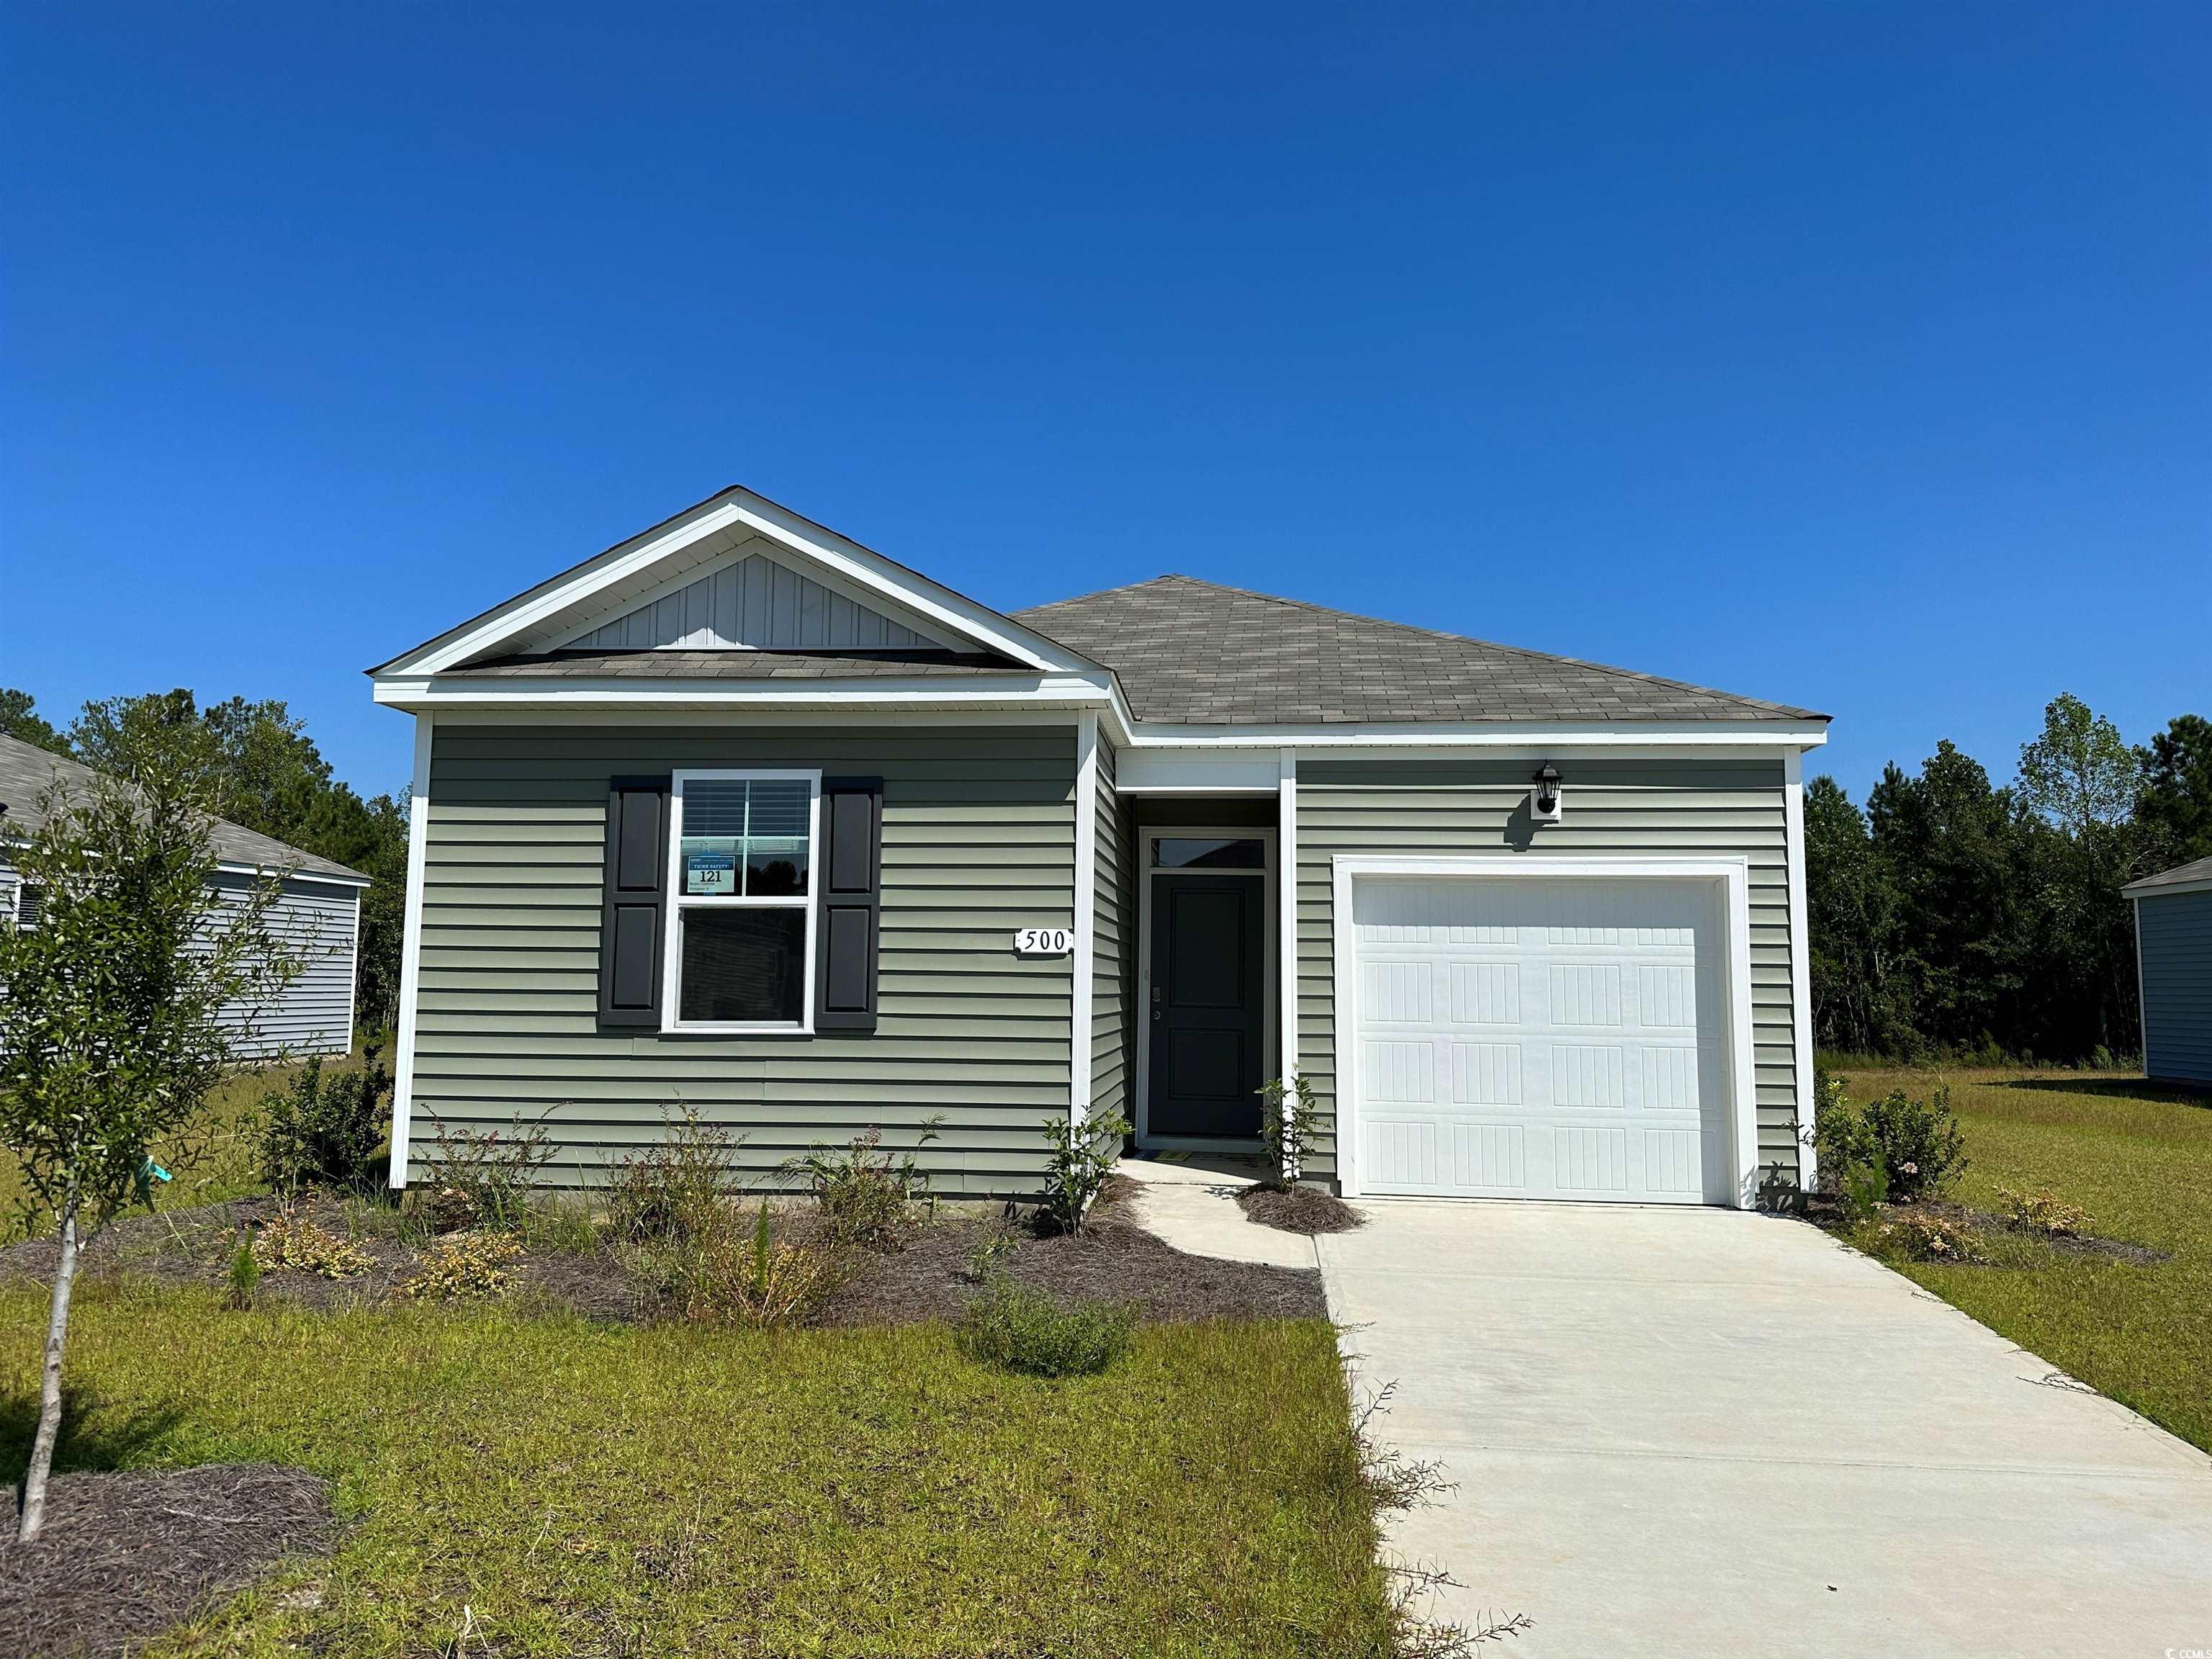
<point>1544,800</point>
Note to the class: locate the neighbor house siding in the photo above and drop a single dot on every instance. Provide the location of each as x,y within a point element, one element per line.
<point>978,841</point>
<point>1114,921</point>
<point>312,1013</point>
<point>2176,942</point>
<point>1454,809</point>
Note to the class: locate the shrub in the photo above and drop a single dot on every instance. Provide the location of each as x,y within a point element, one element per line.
<point>1287,1119</point>
<point>864,1193</point>
<point>245,1274</point>
<point>679,1189</point>
<point>1915,1145</point>
<point>2044,1212</point>
<point>287,1240</point>
<point>1083,1155</point>
<point>325,1129</point>
<point>464,1266</point>
<point>1020,1329</point>
<point>731,1274</point>
<point>988,1254</point>
<point>1926,1237</point>
<point>484,1177</point>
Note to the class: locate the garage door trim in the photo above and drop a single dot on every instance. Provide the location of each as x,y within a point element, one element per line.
<point>1732,874</point>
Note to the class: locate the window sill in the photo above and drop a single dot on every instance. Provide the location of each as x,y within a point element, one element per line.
<point>779,1030</point>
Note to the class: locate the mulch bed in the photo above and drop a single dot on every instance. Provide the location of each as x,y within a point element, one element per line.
<point>1111,1260</point>
<point>1305,1210</point>
<point>1825,1211</point>
<point>123,1557</point>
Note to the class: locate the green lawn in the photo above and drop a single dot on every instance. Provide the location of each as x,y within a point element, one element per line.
<point>586,1489</point>
<point>2139,1159</point>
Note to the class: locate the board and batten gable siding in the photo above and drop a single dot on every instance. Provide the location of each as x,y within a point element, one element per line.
<point>1468,808</point>
<point>2175,938</point>
<point>978,840</point>
<point>1113,923</point>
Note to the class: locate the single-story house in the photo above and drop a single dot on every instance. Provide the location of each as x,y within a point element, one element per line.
<point>740,817</point>
<point>317,912</point>
<point>2173,971</point>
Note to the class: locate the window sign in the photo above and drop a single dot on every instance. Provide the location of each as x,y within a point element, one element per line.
<point>707,870</point>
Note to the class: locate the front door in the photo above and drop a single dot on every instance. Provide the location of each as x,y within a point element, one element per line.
<point>1207,1004</point>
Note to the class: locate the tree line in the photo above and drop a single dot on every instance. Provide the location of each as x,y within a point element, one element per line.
<point>256,767</point>
<point>1954,917</point>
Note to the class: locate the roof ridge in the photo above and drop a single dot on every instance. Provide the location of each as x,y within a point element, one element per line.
<point>1427,633</point>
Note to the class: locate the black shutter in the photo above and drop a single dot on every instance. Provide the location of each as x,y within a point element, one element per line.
<point>632,927</point>
<point>850,896</point>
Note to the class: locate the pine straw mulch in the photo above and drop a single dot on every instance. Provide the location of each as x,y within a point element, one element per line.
<point>1305,1210</point>
<point>932,1277</point>
<point>123,1557</point>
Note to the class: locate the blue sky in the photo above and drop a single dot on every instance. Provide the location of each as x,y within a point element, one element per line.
<point>1851,355</point>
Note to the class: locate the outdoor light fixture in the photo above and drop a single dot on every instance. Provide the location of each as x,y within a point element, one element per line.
<point>1544,800</point>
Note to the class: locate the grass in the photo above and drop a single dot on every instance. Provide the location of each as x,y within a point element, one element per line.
<point>2138,1158</point>
<point>216,1160</point>
<point>564,1488</point>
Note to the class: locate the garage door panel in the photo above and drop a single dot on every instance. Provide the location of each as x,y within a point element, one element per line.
<point>1541,1038</point>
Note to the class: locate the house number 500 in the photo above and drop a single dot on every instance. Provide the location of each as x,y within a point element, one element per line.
<point>1043,941</point>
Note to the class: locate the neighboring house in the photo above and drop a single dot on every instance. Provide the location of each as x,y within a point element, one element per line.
<point>2173,971</point>
<point>318,912</point>
<point>740,817</point>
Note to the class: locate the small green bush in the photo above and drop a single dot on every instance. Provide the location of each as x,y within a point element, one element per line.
<point>484,1177</point>
<point>1916,1145</point>
<point>679,1189</point>
<point>327,1128</point>
<point>1926,1237</point>
<point>1020,1329</point>
<point>2044,1212</point>
<point>865,1195</point>
<point>1289,1120</point>
<point>1082,1157</point>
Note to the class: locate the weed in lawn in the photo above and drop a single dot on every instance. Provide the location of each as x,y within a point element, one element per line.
<point>290,1240</point>
<point>865,1195</point>
<point>727,1273</point>
<point>2044,1212</point>
<point>245,1274</point>
<point>464,1266</point>
<point>1022,1329</point>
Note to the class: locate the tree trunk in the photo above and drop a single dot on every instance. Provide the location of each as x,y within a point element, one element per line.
<point>50,1386</point>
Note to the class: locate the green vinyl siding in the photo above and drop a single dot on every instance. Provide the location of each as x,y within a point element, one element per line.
<point>978,841</point>
<point>1112,935</point>
<point>1452,809</point>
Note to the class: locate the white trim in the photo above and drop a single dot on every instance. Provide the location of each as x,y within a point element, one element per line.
<point>1086,918</point>
<point>615,691</point>
<point>731,509</point>
<point>282,873</point>
<point>1800,961</point>
<point>760,546</point>
<point>1287,925</point>
<point>410,948</point>
<point>2142,1003</point>
<point>1735,876</point>
<point>1268,874</point>
<point>2143,890</point>
<point>678,902</point>
<point>1763,736</point>
<point>353,976</point>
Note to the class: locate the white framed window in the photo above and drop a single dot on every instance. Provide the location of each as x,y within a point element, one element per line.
<point>742,868</point>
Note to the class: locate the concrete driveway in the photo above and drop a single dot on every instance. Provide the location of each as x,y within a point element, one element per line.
<point>1697,1432</point>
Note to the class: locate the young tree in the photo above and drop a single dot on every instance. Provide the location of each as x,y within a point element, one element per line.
<point>111,1027</point>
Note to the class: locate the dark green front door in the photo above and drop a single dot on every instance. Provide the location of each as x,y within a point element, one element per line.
<point>1207,1004</point>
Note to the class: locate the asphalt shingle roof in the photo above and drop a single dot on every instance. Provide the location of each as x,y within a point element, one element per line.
<point>1188,652</point>
<point>2197,870</point>
<point>27,771</point>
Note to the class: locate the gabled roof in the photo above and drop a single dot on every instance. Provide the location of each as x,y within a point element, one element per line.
<point>1187,651</point>
<point>27,771</point>
<point>2183,877</point>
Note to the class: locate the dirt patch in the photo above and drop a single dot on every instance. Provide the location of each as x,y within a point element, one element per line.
<point>1827,1212</point>
<point>1111,1260</point>
<point>1298,1209</point>
<point>124,1556</point>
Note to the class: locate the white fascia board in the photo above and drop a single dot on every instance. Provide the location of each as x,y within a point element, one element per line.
<point>1080,1009</point>
<point>735,509</point>
<point>615,691</point>
<point>410,948</point>
<point>233,868</point>
<point>1489,734</point>
<point>2141,891</point>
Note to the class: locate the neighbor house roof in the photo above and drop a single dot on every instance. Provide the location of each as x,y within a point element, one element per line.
<point>1190,652</point>
<point>2197,873</point>
<point>26,772</point>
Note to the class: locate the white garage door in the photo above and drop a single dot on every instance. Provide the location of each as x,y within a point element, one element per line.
<point>1528,1038</point>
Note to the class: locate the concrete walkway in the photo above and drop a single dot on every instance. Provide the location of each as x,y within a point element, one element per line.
<point>1692,1431</point>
